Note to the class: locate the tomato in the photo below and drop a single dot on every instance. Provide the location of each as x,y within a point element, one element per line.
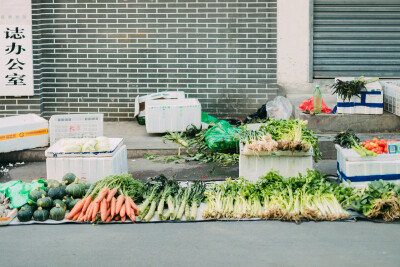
<point>378,152</point>
<point>383,139</point>
<point>385,150</point>
<point>375,140</point>
<point>368,146</point>
<point>380,149</point>
<point>382,143</point>
<point>368,141</point>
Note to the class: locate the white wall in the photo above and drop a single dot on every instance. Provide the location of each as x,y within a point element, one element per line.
<point>293,22</point>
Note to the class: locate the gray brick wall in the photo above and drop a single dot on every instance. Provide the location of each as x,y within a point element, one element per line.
<point>98,55</point>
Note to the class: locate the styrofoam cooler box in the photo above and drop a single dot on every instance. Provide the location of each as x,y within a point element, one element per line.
<point>391,97</point>
<point>253,165</point>
<point>362,170</point>
<point>23,132</point>
<point>370,102</point>
<point>173,115</point>
<point>91,169</point>
<point>75,126</point>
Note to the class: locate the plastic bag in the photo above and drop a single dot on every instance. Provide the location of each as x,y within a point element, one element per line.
<point>279,108</point>
<point>207,118</point>
<point>222,136</point>
<point>308,105</point>
<point>18,191</point>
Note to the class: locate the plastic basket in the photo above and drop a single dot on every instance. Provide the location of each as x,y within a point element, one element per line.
<point>75,126</point>
<point>391,97</point>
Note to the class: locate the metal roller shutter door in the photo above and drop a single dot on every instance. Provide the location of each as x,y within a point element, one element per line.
<point>353,38</point>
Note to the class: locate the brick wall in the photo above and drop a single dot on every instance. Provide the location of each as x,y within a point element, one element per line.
<point>98,55</point>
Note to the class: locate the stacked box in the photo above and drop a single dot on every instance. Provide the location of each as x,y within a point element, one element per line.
<point>391,97</point>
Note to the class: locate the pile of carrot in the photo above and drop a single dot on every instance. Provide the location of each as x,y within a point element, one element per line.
<point>105,204</point>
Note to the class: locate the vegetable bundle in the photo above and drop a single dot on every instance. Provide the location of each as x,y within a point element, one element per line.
<point>110,198</point>
<point>274,197</point>
<point>379,199</point>
<point>281,134</point>
<point>180,201</point>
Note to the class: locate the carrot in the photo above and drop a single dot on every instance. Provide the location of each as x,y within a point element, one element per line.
<point>103,209</point>
<point>76,216</point>
<point>134,206</point>
<point>117,218</point>
<point>133,218</point>
<point>81,216</point>
<point>96,207</point>
<point>113,204</point>
<point>123,219</point>
<point>122,211</point>
<point>102,194</point>
<point>109,219</point>
<point>78,206</point>
<point>89,212</point>
<point>120,201</point>
<point>128,208</point>
<point>87,203</point>
<point>111,194</point>
<point>108,212</point>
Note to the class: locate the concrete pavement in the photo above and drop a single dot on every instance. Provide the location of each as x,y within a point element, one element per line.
<point>203,244</point>
<point>142,168</point>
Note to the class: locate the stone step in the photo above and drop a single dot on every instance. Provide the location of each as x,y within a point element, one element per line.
<point>334,123</point>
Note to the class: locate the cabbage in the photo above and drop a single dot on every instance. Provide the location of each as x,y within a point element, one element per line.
<point>71,145</point>
<point>89,146</point>
<point>103,144</point>
<point>72,148</point>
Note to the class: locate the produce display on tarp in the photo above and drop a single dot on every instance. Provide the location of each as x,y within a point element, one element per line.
<point>123,199</point>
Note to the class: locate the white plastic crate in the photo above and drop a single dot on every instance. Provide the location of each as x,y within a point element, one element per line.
<point>75,126</point>
<point>173,115</point>
<point>23,132</point>
<point>370,102</point>
<point>391,97</point>
<point>91,169</point>
<point>253,165</point>
<point>362,170</point>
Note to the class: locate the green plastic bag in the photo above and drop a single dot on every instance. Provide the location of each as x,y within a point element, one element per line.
<point>18,191</point>
<point>207,118</point>
<point>222,136</point>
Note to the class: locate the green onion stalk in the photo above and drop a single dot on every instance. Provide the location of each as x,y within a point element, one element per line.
<point>197,198</point>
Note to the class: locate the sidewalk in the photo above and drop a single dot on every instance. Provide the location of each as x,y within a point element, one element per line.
<point>137,140</point>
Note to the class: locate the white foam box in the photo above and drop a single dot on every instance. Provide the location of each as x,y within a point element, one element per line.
<point>173,115</point>
<point>253,165</point>
<point>56,150</point>
<point>23,132</point>
<point>362,170</point>
<point>90,169</point>
<point>360,105</point>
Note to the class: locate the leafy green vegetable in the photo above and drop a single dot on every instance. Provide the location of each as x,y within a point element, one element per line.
<point>348,139</point>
